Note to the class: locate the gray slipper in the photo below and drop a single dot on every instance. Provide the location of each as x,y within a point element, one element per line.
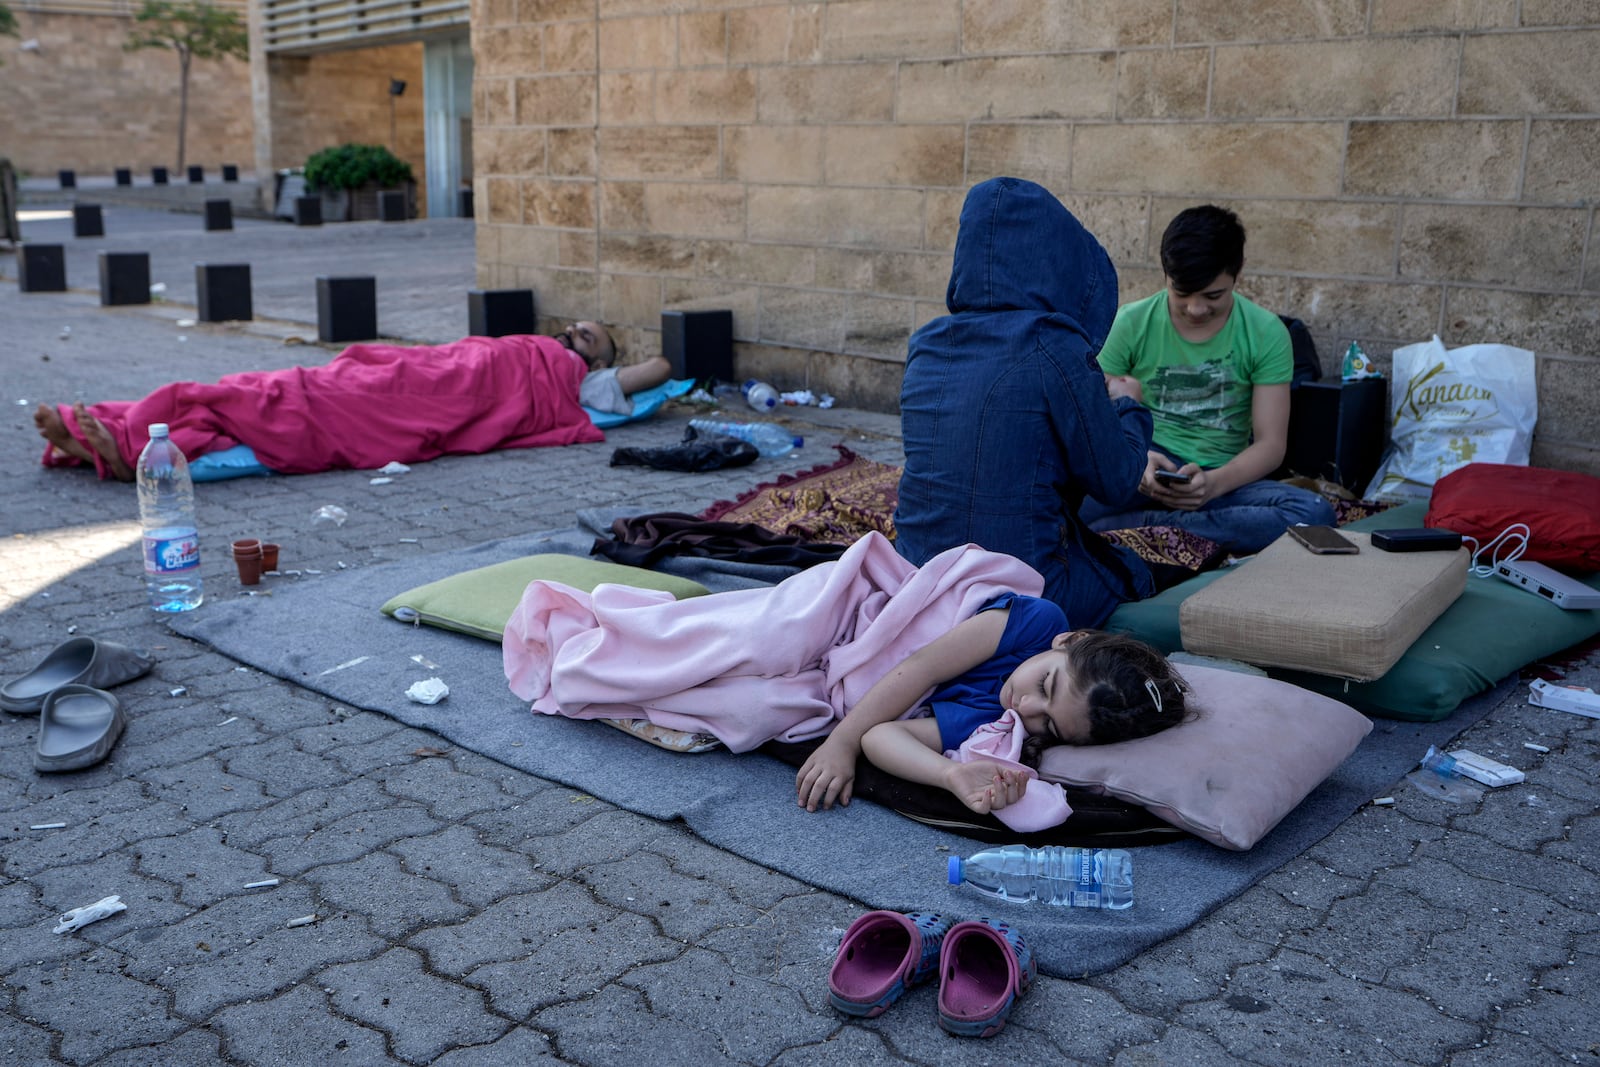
<point>77,727</point>
<point>77,660</point>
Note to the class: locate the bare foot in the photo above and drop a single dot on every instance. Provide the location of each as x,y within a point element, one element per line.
<point>100,440</point>
<point>53,428</point>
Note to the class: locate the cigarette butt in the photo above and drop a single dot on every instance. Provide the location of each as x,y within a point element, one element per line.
<point>1536,748</point>
<point>264,883</point>
<point>47,826</point>
<point>231,718</point>
<point>304,920</point>
<point>1384,801</point>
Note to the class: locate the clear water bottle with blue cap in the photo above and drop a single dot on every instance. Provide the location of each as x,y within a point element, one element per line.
<point>171,537</point>
<point>1056,874</point>
<point>769,438</point>
<point>760,395</point>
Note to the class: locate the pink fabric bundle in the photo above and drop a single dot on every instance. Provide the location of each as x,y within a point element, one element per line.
<point>753,665</point>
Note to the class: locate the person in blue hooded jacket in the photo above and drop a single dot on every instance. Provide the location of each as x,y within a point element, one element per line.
<point>1008,422</point>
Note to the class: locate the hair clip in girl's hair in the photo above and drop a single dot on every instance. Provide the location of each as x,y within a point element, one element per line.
<point>1155,693</point>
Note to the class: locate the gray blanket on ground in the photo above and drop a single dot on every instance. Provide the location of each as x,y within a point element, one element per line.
<point>325,633</point>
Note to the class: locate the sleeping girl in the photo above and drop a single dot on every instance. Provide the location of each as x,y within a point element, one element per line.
<point>896,662</point>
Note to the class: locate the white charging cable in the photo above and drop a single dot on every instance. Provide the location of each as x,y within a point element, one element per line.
<point>1512,541</point>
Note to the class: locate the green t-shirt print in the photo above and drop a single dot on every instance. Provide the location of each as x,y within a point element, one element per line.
<point>1199,394</point>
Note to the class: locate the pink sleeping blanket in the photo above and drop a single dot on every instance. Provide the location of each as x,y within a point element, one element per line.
<point>752,665</point>
<point>371,404</point>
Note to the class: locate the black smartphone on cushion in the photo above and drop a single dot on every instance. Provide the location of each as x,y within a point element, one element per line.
<point>1324,540</point>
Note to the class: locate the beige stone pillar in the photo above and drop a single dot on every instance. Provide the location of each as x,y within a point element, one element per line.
<point>261,105</point>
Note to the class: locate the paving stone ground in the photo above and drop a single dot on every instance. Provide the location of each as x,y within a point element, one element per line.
<point>470,914</point>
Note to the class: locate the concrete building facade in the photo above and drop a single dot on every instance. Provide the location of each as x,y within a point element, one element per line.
<point>1404,168</point>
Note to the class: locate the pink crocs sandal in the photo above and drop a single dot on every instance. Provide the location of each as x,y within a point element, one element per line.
<point>883,954</point>
<point>983,968</point>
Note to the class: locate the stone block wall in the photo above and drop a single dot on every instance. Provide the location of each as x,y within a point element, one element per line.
<point>79,102</point>
<point>1403,168</point>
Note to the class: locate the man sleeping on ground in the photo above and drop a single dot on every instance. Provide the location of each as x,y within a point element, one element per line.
<point>370,405</point>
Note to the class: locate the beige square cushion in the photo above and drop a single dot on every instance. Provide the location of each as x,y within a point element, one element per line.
<point>1346,616</point>
<point>1250,751</point>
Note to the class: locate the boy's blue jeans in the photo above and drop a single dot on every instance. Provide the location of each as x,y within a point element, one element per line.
<point>1244,521</point>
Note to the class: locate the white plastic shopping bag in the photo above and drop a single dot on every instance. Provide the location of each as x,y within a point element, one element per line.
<point>1474,404</point>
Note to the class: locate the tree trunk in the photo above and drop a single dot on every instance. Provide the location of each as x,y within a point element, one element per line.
<point>183,102</point>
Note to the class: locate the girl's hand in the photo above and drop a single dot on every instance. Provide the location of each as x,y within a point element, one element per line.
<point>828,775</point>
<point>985,786</point>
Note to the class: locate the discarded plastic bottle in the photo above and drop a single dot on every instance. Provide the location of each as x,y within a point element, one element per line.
<point>166,511</point>
<point>769,439</point>
<point>760,395</point>
<point>1056,874</point>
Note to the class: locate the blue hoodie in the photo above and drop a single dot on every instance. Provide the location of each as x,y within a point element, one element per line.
<point>1005,416</point>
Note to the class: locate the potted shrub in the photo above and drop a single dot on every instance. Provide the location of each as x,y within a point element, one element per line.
<point>349,176</point>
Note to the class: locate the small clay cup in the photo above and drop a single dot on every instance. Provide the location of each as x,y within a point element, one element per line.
<point>269,556</point>
<point>247,557</point>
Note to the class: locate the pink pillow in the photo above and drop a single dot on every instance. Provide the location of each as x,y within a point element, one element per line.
<point>1251,750</point>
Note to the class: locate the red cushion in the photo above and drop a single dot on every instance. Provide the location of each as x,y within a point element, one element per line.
<point>1560,508</point>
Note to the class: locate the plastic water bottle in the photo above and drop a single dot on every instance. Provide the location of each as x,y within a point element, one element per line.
<point>1077,877</point>
<point>760,395</point>
<point>171,539</point>
<point>769,439</point>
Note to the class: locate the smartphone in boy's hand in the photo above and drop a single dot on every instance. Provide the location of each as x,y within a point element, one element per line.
<point>1172,477</point>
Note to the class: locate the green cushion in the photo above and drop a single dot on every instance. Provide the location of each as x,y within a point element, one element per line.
<point>1490,631</point>
<point>478,602</point>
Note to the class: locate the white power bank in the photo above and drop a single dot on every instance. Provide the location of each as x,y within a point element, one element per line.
<point>1560,590</point>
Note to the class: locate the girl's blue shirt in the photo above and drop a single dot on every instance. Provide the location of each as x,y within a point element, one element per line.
<point>971,700</point>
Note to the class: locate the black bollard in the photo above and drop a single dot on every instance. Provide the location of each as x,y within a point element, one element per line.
<point>158,175</point>
<point>230,172</point>
<point>124,176</point>
<point>69,179</point>
<point>347,308</point>
<point>392,205</point>
<point>464,203</point>
<point>219,214</point>
<point>698,344</point>
<point>500,312</point>
<point>222,292</point>
<point>124,278</point>
<point>87,221</point>
<point>308,211</point>
<point>41,268</point>
<point>197,175</point>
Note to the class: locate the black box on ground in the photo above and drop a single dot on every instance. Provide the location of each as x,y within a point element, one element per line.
<point>500,312</point>
<point>197,175</point>
<point>698,344</point>
<point>1337,430</point>
<point>219,214</point>
<point>124,176</point>
<point>222,292</point>
<point>41,268</point>
<point>347,308</point>
<point>87,221</point>
<point>69,178</point>
<point>158,175</point>
<point>308,211</point>
<point>124,278</point>
<point>392,205</point>
<point>230,172</point>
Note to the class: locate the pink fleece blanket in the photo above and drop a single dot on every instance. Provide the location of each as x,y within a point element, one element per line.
<point>371,404</point>
<point>752,665</point>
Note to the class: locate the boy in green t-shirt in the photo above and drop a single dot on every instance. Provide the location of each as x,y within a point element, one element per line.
<point>1214,370</point>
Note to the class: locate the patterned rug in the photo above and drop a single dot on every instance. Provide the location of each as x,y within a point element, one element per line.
<point>843,500</point>
<point>839,502</point>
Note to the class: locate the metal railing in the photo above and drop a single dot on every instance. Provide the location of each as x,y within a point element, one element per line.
<point>315,25</point>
